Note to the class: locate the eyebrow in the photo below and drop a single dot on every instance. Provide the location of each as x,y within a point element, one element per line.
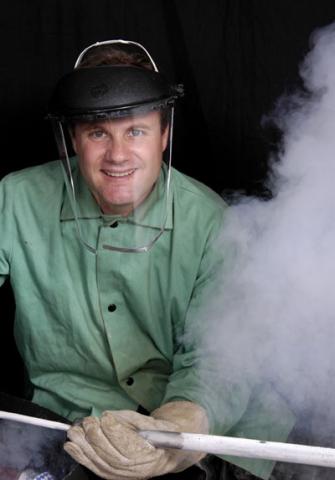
<point>101,125</point>
<point>142,126</point>
<point>95,126</point>
<point>90,126</point>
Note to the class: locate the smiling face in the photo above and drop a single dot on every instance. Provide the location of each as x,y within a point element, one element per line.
<point>120,159</point>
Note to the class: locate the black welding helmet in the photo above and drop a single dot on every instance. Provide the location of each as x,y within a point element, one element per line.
<point>110,91</point>
<point>98,92</point>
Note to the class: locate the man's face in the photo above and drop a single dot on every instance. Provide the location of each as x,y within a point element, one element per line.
<point>120,159</point>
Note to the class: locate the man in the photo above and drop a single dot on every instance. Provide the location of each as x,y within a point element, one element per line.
<point>111,255</point>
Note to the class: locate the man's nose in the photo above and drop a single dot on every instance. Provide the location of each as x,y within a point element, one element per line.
<point>117,150</point>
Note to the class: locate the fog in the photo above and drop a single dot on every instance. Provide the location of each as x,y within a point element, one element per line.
<point>33,450</point>
<point>273,317</point>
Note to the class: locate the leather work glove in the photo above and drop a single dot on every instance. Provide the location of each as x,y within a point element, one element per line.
<point>111,447</point>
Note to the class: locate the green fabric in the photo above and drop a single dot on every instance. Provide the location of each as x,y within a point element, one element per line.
<point>268,418</point>
<point>80,356</point>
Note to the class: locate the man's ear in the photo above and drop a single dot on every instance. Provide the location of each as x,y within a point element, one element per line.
<point>73,138</point>
<point>165,137</point>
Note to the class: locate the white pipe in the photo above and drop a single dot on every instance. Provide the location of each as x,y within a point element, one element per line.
<point>39,422</point>
<point>215,444</point>
<point>243,447</point>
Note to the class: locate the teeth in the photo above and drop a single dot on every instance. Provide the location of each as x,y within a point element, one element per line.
<point>119,174</point>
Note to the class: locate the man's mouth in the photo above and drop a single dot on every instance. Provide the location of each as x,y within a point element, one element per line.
<point>126,173</point>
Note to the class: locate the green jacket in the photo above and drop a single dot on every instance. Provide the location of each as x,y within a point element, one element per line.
<point>105,331</point>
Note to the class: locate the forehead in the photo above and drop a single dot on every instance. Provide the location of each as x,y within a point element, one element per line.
<point>149,120</point>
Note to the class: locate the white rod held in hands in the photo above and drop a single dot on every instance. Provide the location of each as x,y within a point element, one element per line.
<point>215,444</point>
<point>243,447</point>
<point>38,422</point>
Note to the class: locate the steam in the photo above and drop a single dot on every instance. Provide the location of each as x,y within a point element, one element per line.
<point>273,317</point>
<point>32,449</point>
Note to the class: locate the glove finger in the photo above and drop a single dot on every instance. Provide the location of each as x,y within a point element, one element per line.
<point>133,419</point>
<point>84,453</point>
<point>84,458</point>
<point>109,450</point>
<point>123,434</point>
<point>110,472</point>
<point>169,459</point>
<point>102,445</point>
<point>141,422</point>
<point>128,442</point>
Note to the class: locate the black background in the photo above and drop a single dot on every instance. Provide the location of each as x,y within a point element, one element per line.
<point>234,57</point>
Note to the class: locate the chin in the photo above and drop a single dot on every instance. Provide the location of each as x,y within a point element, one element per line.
<point>116,208</point>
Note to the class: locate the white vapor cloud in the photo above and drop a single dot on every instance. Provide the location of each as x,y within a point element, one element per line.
<point>275,314</point>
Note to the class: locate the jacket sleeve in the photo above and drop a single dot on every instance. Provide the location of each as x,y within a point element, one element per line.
<point>6,237</point>
<point>211,367</point>
<point>196,375</point>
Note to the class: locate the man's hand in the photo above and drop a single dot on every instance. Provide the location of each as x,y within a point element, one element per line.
<point>111,447</point>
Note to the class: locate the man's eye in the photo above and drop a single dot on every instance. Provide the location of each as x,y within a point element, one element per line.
<point>97,134</point>
<point>136,132</point>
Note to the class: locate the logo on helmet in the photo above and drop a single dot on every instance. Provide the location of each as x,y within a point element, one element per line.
<point>99,90</point>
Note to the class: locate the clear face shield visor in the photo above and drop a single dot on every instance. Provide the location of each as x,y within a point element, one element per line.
<point>119,118</point>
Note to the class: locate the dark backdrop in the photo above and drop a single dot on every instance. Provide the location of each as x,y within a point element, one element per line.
<point>235,57</point>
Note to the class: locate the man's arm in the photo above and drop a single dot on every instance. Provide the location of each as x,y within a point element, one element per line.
<point>111,446</point>
<point>6,238</point>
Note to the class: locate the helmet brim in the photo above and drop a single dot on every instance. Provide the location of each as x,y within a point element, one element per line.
<point>110,91</point>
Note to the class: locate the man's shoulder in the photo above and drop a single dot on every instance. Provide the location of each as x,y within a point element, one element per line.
<point>47,172</point>
<point>37,184</point>
<point>193,192</point>
<point>39,188</point>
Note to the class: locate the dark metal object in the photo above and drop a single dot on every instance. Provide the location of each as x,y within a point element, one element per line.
<point>110,91</point>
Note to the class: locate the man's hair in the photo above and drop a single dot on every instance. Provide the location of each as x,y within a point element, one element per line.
<point>112,54</point>
<point>127,54</point>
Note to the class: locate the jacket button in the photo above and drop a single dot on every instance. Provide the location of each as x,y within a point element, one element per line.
<point>114,224</point>
<point>112,307</point>
<point>130,381</point>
